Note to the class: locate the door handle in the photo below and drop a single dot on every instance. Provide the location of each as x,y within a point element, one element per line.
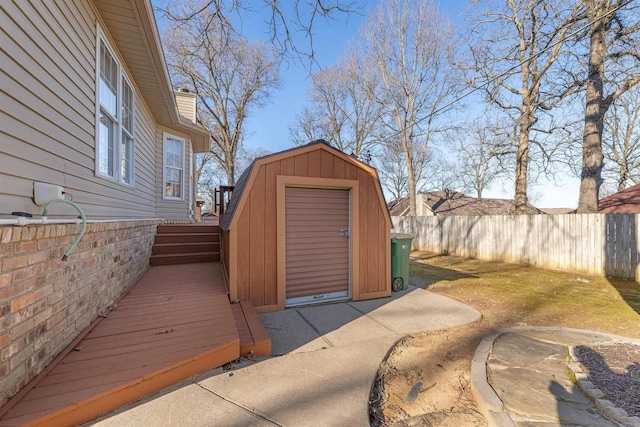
<point>344,232</point>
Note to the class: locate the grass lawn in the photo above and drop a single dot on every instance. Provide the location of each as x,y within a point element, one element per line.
<point>506,295</point>
<point>511,295</point>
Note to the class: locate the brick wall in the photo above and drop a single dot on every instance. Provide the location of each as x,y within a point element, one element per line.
<point>46,302</point>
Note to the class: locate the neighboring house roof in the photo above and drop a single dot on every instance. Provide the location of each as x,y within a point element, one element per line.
<point>133,28</point>
<point>245,179</point>
<point>557,211</point>
<point>450,202</point>
<point>625,201</point>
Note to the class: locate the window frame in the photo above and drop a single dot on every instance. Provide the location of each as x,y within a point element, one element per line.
<point>116,174</point>
<point>165,137</point>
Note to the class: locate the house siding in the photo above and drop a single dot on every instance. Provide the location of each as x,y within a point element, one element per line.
<point>47,77</point>
<point>45,302</point>
<point>47,134</point>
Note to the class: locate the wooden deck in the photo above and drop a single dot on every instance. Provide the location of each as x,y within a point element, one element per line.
<point>254,338</point>
<point>174,323</point>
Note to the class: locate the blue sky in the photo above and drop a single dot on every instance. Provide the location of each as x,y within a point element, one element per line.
<point>267,128</point>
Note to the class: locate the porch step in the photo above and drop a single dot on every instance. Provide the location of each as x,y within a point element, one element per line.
<point>188,228</point>
<point>183,248</point>
<point>185,244</point>
<point>254,338</point>
<point>186,237</point>
<point>184,258</point>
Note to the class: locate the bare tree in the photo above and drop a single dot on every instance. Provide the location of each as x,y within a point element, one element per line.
<point>343,110</point>
<point>621,142</point>
<point>613,61</point>
<point>412,45</point>
<point>286,22</point>
<point>229,76</point>
<point>326,118</point>
<point>210,176</point>
<point>443,175</point>
<point>517,44</point>
<point>307,126</point>
<point>480,150</point>
<point>390,163</point>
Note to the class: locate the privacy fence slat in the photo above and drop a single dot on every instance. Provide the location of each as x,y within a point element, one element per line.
<point>598,244</point>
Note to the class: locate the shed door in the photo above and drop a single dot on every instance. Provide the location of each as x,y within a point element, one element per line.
<point>317,236</point>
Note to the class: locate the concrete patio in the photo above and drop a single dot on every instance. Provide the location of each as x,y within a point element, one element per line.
<point>324,364</point>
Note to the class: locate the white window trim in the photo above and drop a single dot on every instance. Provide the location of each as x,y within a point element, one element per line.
<point>166,135</point>
<point>122,75</point>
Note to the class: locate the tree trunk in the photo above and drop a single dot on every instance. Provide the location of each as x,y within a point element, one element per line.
<point>229,170</point>
<point>592,157</point>
<point>411,180</point>
<point>622,180</point>
<point>522,160</point>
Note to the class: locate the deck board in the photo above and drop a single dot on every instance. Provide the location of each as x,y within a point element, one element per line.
<point>174,323</point>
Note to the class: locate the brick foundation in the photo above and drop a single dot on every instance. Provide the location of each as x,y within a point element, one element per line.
<point>46,302</point>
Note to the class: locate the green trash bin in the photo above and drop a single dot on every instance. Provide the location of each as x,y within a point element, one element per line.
<point>400,250</point>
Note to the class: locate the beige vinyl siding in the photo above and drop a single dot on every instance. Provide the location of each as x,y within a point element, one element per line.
<point>186,105</point>
<point>47,114</point>
<point>118,13</point>
<point>167,208</point>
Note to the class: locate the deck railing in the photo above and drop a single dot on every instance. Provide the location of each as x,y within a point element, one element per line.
<point>222,197</point>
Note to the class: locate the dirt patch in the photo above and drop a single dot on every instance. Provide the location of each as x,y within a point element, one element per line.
<point>425,380</point>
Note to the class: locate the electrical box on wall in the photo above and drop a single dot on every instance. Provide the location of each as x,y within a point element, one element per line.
<point>43,193</point>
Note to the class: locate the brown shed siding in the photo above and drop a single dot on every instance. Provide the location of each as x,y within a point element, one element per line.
<point>250,230</point>
<point>224,255</point>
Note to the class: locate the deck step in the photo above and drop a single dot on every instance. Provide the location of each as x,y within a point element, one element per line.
<point>188,228</point>
<point>186,238</point>
<point>182,248</point>
<point>254,338</point>
<point>185,244</point>
<point>184,258</point>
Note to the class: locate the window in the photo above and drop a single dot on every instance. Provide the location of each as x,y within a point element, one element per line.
<point>115,111</point>
<point>173,181</point>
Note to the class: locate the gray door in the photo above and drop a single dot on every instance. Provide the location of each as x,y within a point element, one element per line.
<point>317,245</point>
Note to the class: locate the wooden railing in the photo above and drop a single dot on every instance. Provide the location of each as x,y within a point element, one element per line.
<point>222,197</point>
<point>598,244</point>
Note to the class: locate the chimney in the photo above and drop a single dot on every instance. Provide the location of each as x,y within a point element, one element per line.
<point>186,102</point>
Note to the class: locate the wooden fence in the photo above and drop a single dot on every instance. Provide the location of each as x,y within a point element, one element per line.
<point>598,244</point>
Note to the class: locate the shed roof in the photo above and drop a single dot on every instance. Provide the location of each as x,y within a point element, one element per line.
<point>625,201</point>
<point>450,202</point>
<point>245,180</point>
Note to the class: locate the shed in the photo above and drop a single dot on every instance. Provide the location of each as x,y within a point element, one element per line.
<point>306,225</point>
